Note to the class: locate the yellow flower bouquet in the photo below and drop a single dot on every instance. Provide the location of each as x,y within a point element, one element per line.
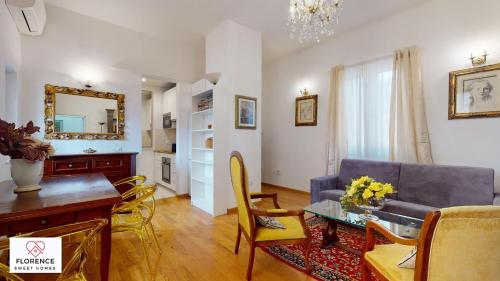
<point>367,194</point>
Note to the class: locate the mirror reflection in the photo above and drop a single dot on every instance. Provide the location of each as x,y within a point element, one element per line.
<point>82,114</point>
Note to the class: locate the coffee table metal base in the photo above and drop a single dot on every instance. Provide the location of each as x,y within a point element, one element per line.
<point>330,238</point>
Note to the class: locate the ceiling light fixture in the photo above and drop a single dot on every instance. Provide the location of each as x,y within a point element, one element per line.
<point>144,80</point>
<point>311,19</point>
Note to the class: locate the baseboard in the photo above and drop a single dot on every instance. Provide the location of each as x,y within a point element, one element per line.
<point>232,211</point>
<point>286,188</point>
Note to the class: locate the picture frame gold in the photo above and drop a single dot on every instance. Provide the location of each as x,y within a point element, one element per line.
<point>461,99</point>
<point>245,117</point>
<point>306,111</point>
<point>50,111</point>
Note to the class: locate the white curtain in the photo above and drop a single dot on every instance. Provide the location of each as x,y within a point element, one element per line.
<point>409,136</point>
<point>366,95</point>
<point>337,145</point>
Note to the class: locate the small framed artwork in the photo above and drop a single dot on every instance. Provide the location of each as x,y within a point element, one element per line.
<point>475,92</point>
<point>246,112</point>
<point>306,111</point>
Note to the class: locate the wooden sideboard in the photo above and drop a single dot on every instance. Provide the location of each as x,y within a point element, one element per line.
<point>62,200</point>
<point>115,166</point>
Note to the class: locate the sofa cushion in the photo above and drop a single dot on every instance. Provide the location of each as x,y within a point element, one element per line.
<point>385,172</point>
<point>445,186</point>
<point>332,194</point>
<point>408,209</point>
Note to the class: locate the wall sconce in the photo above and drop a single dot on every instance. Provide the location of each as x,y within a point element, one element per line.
<point>304,92</point>
<point>88,84</point>
<point>478,60</point>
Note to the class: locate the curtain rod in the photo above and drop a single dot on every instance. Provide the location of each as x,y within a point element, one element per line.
<point>369,60</point>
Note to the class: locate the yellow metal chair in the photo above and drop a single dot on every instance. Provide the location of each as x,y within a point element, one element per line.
<point>133,182</point>
<point>458,243</point>
<point>137,182</point>
<point>296,231</point>
<point>136,215</point>
<point>85,233</point>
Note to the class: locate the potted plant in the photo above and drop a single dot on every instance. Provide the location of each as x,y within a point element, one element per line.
<point>366,194</point>
<point>27,154</point>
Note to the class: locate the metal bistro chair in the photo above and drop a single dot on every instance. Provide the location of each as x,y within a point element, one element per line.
<point>74,269</point>
<point>135,216</point>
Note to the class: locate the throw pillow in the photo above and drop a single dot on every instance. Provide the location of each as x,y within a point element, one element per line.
<point>408,261</point>
<point>270,222</point>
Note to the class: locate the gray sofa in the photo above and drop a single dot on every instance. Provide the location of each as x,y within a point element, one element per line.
<point>420,188</point>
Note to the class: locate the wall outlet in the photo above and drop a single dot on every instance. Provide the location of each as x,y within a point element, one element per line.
<point>278,172</point>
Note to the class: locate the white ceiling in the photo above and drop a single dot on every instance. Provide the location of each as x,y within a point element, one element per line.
<point>189,20</point>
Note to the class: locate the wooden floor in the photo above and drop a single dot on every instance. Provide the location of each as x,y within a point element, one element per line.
<point>197,246</point>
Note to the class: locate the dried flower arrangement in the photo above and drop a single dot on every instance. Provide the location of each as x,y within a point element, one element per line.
<point>19,144</point>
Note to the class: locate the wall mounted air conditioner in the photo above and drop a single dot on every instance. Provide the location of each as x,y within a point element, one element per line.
<point>29,15</point>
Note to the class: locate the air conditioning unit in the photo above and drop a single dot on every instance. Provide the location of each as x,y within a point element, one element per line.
<point>29,15</point>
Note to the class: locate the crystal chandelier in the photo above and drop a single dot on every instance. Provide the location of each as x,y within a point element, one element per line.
<point>311,19</point>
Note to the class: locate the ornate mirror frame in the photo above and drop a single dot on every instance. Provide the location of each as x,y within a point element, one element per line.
<point>50,111</point>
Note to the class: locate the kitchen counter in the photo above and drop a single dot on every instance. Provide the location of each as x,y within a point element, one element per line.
<point>165,152</point>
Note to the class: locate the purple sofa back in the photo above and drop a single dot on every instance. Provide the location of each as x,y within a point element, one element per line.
<point>387,172</point>
<point>443,186</point>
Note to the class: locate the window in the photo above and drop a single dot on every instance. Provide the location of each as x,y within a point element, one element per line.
<point>366,98</point>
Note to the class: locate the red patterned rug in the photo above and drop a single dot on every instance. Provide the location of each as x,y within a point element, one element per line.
<point>331,263</point>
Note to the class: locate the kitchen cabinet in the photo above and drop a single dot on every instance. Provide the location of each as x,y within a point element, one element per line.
<point>159,170</point>
<point>169,100</point>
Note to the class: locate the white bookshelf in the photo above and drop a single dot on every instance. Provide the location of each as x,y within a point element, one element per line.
<point>202,157</point>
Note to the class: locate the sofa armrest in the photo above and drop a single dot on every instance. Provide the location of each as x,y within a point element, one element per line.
<point>322,183</point>
<point>496,199</point>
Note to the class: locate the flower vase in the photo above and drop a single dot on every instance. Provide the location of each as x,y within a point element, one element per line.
<point>26,174</point>
<point>371,205</point>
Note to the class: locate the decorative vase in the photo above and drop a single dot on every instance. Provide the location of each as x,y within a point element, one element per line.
<point>371,205</point>
<point>26,174</point>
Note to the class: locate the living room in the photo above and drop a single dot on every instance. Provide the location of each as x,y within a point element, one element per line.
<point>313,140</point>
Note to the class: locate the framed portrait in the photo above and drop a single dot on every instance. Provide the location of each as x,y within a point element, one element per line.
<point>246,112</point>
<point>306,111</point>
<point>475,92</point>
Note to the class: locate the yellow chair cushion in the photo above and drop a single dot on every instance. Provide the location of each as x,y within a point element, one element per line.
<point>385,259</point>
<point>293,230</point>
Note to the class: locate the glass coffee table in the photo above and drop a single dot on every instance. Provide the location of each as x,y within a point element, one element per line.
<point>334,214</point>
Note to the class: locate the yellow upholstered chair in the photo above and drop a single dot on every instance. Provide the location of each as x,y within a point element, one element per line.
<point>258,236</point>
<point>458,243</point>
<point>77,239</point>
<point>136,215</point>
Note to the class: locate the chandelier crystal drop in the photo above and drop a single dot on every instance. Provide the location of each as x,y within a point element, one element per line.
<point>312,19</point>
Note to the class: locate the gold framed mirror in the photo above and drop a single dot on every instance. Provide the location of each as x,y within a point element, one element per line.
<point>72,113</point>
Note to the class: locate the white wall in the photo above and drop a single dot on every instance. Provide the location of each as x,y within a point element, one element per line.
<point>10,60</point>
<point>32,108</point>
<point>74,47</point>
<point>236,52</point>
<point>446,31</point>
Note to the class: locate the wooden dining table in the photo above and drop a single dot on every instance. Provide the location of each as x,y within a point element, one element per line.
<point>62,200</point>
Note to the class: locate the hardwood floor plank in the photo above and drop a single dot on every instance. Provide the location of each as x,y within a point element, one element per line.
<point>197,246</point>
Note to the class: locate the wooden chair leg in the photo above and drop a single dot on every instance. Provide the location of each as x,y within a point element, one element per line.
<point>238,238</point>
<point>307,254</point>
<point>366,273</point>
<point>250,262</point>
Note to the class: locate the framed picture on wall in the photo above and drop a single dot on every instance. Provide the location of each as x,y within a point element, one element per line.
<point>475,92</point>
<point>246,112</point>
<point>306,111</point>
